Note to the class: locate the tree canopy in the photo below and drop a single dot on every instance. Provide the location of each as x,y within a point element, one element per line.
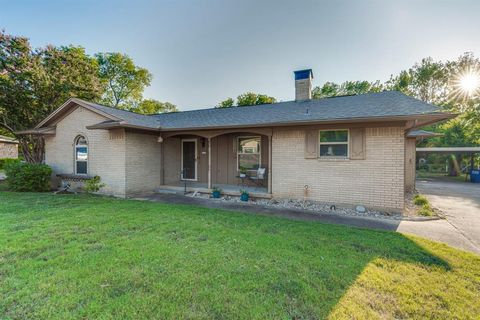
<point>331,89</point>
<point>34,82</point>
<point>247,99</point>
<point>125,82</point>
<point>152,106</point>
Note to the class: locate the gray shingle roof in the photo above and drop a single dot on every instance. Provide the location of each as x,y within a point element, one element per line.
<point>128,116</point>
<point>422,133</point>
<point>366,106</point>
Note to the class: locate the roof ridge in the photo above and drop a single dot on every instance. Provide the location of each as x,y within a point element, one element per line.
<point>277,103</point>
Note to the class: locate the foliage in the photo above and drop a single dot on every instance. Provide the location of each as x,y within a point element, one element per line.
<point>5,162</point>
<point>152,106</point>
<point>243,191</point>
<point>227,103</point>
<point>216,189</point>
<point>93,185</point>
<point>122,258</point>
<point>28,177</point>
<point>419,200</point>
<point>247,99</point>
<point>124,80</point>
<point>425,208</point>
<point>440,83</point>
<point>331,89</point>
<point>427,81</point>
<point>34,82</point>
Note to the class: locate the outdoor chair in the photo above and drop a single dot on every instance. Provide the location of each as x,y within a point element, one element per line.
<point>259,178</point>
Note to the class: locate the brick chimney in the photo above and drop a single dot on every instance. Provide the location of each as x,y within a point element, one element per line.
<point>303,84</point>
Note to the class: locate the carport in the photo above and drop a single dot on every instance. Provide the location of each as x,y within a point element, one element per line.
<point>470,151</point>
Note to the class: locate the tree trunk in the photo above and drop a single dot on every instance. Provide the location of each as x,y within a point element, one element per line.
<point>33,148</point>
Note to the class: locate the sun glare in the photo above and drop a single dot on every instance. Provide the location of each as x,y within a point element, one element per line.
<point>466,85</point>
<point>470,83</point>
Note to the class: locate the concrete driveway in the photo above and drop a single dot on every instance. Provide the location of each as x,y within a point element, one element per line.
<point>460,203</point>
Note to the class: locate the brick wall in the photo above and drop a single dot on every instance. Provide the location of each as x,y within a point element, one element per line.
<point>106,152</point>
<point>8,150</point>
<point>377,181</point>
<point>143,159</point>
<point>410,161</point>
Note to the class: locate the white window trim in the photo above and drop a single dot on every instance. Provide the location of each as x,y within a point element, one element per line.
<point>328,143</point>
<point>75,155</point>
<point>196,160</point>
<point>239,153</point>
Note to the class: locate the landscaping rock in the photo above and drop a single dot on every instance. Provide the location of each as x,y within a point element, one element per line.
<point>312,206</point>
<point>360,209</point>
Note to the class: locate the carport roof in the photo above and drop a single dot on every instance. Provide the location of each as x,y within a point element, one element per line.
<point>449,150</point>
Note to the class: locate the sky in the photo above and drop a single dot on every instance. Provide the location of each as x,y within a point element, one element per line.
<point>201,52</point>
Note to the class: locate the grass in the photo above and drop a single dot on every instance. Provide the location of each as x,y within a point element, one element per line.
<point>71,257</point>
<point>425,207</point>
<point>422,174</point>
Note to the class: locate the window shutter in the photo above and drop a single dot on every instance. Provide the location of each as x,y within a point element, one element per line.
<point>357,144</point>
<point>311,144</point>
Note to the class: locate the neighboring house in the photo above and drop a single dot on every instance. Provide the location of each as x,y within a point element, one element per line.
<point>344,150</point>
<point>8,148</point>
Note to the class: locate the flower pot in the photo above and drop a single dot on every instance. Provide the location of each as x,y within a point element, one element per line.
<point>216,194</point>
<point>244,197</point>
<point>243,175</point>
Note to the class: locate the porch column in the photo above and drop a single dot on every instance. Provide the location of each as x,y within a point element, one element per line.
<point>162,162</point>
<point>269,164</point>
<point>209,163</point>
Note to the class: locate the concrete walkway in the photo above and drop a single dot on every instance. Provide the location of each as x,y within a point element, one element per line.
<point>460,203</point>
<point>294,214</point>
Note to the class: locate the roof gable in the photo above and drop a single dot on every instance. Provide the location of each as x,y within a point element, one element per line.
<point>65,109</point>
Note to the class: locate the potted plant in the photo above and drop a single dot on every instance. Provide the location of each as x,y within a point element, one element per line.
<point>244,195</point>
<point>216,192</point>
<point>243,172</point>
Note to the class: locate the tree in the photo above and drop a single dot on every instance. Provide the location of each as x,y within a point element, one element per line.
<point>247,99</point>
<point>250,99</point>
<point>227,103</point>
<point>124,80</point>
<point>331,89</point>
<point>35,82</point>
<point>427,81</point>
<point>152,106</point>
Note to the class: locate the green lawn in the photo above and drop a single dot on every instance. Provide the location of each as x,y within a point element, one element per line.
<point>72,257</point>
<point>421,174</point>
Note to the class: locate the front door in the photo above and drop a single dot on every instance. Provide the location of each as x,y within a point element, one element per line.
<point>189,159</point>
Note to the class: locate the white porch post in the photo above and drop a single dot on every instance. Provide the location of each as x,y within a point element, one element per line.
<point>270,164</point>
<point>209,163</point>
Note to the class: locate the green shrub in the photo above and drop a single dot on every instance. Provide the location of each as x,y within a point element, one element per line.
<point>28,177</point>
<point>420,200</point>
<point>426,210</point>
<point>93,185</point>
<point>6,162</point>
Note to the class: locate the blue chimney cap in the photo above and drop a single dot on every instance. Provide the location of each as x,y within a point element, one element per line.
<point>303,74</point>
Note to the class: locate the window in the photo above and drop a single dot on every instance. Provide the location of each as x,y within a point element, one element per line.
<point>248,153</point>
<point>334,143</point>
<point>81,155</point>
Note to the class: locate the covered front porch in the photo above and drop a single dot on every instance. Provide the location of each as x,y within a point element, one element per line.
<point>231,160</point>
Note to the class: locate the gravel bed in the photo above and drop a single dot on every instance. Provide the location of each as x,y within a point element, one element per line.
<point>313,206</point>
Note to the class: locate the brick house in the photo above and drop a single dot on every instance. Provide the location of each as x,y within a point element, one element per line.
<point>8,148</point>
<point>344,150</point>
